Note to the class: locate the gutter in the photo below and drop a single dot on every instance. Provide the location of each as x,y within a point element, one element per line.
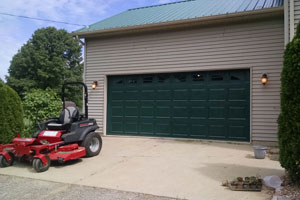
<point>170,24</point>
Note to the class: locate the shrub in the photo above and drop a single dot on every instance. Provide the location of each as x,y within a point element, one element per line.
<point>289,118</point>
<point>40,105</point>
<point>11,114</point>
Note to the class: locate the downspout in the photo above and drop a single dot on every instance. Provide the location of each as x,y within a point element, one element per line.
<point>286,22</point>
<point>292,20</point>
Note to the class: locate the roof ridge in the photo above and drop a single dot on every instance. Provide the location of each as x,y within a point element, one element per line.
<point>160,4</point>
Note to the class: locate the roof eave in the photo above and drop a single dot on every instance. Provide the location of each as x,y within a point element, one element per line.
<point>120,30</point>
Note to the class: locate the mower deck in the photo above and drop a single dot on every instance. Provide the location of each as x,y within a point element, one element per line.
<point>31,149</point>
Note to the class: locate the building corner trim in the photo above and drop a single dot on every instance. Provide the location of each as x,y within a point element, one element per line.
<point>286,22</point>
<point>292,19</point>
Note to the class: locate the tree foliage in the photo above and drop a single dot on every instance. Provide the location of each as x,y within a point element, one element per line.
<point>289,118</point>
<point>40,105</point>
<point>48,59</point>
<point>11,114</point>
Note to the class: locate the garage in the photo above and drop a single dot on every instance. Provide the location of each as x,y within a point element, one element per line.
<point>206,105</point>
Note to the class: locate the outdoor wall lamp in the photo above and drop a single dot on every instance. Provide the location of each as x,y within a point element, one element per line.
<point>264,79</point>
<point>94,84</point>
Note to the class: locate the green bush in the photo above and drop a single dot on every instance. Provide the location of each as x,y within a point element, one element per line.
<point>11,114</point>
<point>40,105</point>
<point>289,118</point>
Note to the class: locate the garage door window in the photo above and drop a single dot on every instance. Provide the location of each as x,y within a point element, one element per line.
<point>180,77</point>
<point>132,81</point>
<point>163,78</point>
<point>216,77</point>
<point>198,77</point>
<point>118,81</point>
<point>148,79</point>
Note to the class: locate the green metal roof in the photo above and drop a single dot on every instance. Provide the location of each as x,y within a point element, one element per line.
<point>180,10</point>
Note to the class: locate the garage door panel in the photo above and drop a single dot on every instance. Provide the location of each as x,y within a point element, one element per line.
<point>131,128</point>
<point>180,94</point>
<point>130,103</point>
<point>131,124</point>
<point>217,131</point>
<point>199,130</point>
<point>180,129</point>
<point>237,94</point>
<point>181,103</point>
<point>163,111</point>
<point>209,105</point>
<point>147,102</point>
<point>164,95</point>
<point>117,111</point>
<point>117,103</point>
<point>147,111</point>
<point>217,112</point>
<point>117,95</point>
<point>162,127</point>
<point>199,111</point>
<point>131,111</point>
<point>180,111</point>
<point>132,95</point>
<point>147,94</point>
<point>217,94</point>
<point>198,94</point>
<point>117,127</point>
<point>237,112</point>
<point>237,132</point>
<point>146,126</point>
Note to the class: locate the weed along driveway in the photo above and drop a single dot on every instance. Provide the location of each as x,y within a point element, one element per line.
<point>165,167</point>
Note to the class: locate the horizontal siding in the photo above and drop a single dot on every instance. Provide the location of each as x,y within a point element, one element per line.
<point>257,45</point>
<point>297,13</point>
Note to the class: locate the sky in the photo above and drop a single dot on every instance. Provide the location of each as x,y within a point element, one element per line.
<point>15,32</point>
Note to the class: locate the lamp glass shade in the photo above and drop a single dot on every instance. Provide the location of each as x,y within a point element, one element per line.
<point>264,79</point>
<point>94,85</point>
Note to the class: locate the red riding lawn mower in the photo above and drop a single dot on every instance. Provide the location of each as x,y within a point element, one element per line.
<point>69,137</point>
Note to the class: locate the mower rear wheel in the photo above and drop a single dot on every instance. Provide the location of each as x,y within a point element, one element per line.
<point>4,162</point>
<point>39,166</point>
<point>92,144</point>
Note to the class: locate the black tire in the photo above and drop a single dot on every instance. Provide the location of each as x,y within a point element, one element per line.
<point>4,162</point>
<point>39,166</point>
<point>12,156</point>
<point>93,144</point>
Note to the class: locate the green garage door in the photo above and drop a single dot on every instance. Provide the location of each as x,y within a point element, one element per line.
<point>207,105</point>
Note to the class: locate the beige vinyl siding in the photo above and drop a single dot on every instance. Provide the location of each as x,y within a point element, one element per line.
<point>294,14</point>
<point>297,13</point>
<point>256,45</point>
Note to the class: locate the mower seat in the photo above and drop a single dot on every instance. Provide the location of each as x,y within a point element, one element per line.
<point>68,115</point>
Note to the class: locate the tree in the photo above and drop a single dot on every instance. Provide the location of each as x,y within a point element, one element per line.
<point>11,114</point>
<point>289,118</point>
<point>48,59</point>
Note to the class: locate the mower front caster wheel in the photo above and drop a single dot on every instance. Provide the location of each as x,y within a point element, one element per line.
<point>6,163</point>
<point>92,144</point>
<point>39,166</point>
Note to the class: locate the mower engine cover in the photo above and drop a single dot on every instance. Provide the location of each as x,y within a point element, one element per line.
<point>48,137</point>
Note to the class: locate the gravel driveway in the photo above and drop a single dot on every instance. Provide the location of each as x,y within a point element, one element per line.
<point>15,188</point>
